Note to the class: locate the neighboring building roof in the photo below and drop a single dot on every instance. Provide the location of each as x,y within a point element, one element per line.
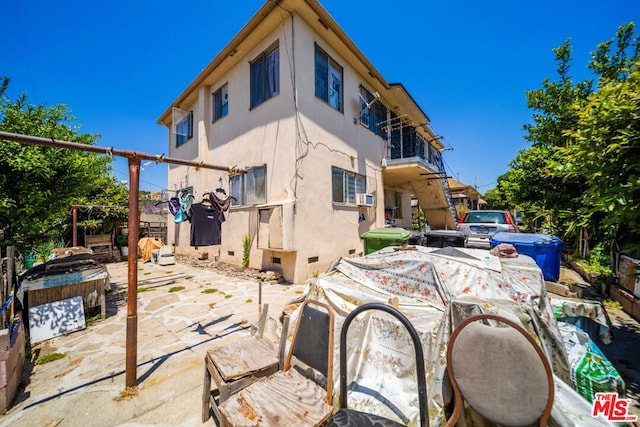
<point>459,187</point>
<point>266,20</point>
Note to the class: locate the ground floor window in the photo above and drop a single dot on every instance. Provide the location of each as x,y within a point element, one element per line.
<point>249,188</point>
<point>345,185</point>
<point>393,203</point>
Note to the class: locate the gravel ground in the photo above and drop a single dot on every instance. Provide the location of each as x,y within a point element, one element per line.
<point>232,270</point>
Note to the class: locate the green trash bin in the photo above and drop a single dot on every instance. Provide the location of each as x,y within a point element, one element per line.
<point>379,238</point>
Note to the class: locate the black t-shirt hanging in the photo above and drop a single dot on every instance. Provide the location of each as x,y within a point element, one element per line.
<point>206,225</point>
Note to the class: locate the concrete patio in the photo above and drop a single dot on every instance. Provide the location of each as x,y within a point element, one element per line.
<point>175,328</point>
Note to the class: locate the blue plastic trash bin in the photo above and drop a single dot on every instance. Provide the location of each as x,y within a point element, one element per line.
<point>545,249</point>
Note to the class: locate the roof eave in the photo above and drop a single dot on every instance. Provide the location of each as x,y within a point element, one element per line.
<point>253,23</point>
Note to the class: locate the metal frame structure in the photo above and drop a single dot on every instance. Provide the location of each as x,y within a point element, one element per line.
<point>134,157</point>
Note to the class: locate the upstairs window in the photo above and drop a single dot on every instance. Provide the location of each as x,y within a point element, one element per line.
<point>249,188</point>
<point>373,117</point>
<point>184,129</point>
<point>328,80</point>
<point>345,185</point>
<point>221,102</point>
<point>265,75</point>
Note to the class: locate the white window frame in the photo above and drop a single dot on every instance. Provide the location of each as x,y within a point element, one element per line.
<point>351,184</point>
<point>249,188</point>
<point>184,129</point>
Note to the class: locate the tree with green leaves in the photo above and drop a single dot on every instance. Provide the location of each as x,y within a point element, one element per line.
<point>578,177</point>
<point>531,183</point>
<point>495,199</point>
<point>554,104</point>
<point>603,148</point>
<point>38,185</point>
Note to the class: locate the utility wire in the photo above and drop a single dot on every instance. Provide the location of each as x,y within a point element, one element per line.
<point>141,180</point>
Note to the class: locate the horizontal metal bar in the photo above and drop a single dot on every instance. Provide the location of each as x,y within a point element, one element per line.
<point>110,151</point>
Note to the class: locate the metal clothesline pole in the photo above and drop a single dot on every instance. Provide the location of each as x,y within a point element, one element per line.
<point>134,158</point>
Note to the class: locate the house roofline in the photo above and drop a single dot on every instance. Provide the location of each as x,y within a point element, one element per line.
<point>404,89</point>
<point>344,38</point>
<point>255,22</point>
<point>456,185</point>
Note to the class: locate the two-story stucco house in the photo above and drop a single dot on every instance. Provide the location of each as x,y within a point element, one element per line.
<point>329,146</point>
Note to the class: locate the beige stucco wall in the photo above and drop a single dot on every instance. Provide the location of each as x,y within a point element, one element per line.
<point>299,147</point>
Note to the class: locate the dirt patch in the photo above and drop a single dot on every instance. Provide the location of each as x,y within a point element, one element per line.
<point>232,270</point>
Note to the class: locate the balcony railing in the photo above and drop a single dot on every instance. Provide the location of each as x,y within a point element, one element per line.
<point>406,143</point>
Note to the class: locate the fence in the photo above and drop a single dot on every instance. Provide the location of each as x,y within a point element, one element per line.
<point>12,337</point>
<point>8,285</point>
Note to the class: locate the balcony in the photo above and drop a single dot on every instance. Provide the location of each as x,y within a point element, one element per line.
<point>408,146</point>
<point>415,165</point>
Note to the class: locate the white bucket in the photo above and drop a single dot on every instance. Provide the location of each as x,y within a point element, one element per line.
<point>124,250</point>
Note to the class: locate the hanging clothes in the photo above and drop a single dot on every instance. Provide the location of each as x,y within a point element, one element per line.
<point>206,224</point>
<point>179,206</point>
<point>223,204</point>
<point>186,200</point>
<point>174,205</point>
<point>180,216</point>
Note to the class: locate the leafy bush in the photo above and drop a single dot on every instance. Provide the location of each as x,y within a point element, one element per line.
<point>42,250</point>
<point>598,262</point>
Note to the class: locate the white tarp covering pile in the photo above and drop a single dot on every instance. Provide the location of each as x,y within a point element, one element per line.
<point>436,289</point>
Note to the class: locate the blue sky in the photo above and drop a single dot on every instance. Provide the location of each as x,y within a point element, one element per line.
<point>118,65</point>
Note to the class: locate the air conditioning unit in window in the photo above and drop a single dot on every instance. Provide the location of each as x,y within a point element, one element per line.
<point>364,199</point>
